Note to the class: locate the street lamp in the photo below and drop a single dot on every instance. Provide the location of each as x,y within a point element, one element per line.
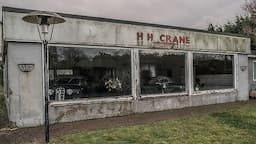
<point>43,20</point>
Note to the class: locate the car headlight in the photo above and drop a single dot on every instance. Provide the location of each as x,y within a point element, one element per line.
<point>69,91</point>
<point>51,92</point>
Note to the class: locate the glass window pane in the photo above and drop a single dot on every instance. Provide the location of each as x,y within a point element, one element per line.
<point>213,71</point>
<point>89,72</point>
<point>162,72</point>
<point>254,70</point>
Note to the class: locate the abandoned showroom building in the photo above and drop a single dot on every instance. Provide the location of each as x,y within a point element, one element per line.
<point>102,67</point>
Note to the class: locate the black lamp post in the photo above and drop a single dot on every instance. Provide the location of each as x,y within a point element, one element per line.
<point>44,20</point>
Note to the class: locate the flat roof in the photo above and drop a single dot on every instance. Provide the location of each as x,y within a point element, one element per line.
<point>21,10</point>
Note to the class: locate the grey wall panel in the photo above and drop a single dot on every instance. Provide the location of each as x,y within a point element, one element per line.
<point>82,110</point>
<point>93,32</point>
<point>25,88</point>
<point>242,79</point>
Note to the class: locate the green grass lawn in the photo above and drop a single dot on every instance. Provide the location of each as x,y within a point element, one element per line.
<point>236,126</point>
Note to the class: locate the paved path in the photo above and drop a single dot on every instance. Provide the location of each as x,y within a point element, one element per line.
<point>29,135</point>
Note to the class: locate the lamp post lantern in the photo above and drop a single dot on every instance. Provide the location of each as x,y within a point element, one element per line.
<point>43,20</point>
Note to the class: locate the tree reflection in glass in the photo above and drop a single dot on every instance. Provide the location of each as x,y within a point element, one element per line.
<point>89,72</point>
<point>162,72</point>
<point>212,71</point>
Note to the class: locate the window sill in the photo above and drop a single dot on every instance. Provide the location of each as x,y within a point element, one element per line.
<point>213,91</point>
<point>91,101</point>
<point>164,95</point>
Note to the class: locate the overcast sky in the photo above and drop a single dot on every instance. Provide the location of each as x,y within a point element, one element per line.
<point>185,13</point>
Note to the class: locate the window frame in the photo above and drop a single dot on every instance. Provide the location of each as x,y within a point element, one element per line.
<point>94,99</point>
<point>253,70</point>
<point>135,75</point>
<point>234,72</point>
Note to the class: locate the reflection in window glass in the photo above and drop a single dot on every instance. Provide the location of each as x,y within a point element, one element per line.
<point>213,71</point>
<point>254,70</point>
<point>88,72</point>
<point>162,72</point>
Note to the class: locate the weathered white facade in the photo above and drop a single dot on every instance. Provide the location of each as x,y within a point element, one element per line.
<point>24,91</point>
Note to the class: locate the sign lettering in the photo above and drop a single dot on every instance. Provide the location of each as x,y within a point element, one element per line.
<point>162,38</point>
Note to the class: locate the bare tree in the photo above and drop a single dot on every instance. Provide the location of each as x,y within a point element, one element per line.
<point>250,6</point>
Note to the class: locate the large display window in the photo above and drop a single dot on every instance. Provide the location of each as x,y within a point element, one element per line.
<point>78,72</point>
<point>161,72</point>
<point>213,71</point>
<point>90,72</point>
